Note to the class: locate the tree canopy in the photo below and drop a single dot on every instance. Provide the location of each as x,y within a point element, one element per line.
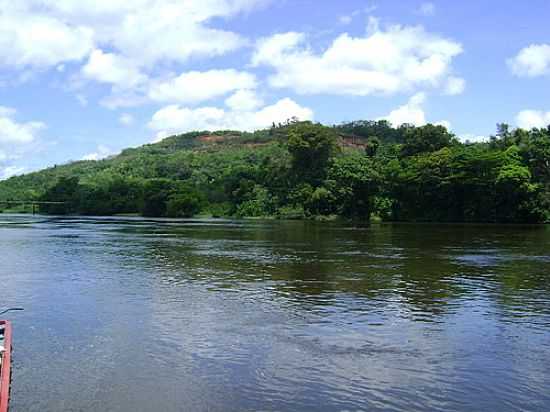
<point>302,170</point>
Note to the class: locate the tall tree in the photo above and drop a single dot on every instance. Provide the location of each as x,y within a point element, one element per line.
<point>311,146</point>
<point>428,138</point>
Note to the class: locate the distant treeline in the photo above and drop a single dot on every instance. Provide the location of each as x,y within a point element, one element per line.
<point>356,170</point>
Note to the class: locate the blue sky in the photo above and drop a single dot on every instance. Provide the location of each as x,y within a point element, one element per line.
<point>83,79</point>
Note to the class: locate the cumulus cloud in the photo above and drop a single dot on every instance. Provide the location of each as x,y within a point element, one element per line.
<point>45,33</point>
<point>173,31</point>
<point>15,139</point>
<point>12,132</point>
<point>100,153</point>
<point>472,138</point>
<point>194,86</point>
<point>398,59</point>
<point>174,119</point>
<point>117,42</point>
<point>112,69</point>
<point>445,123</point>
<point>243,100</point>
<point>9,171</point>
<point>189,88</point>
<point>529,119</point>
<point>531,61</point>
<point>38,40</point>
<point>412,113</point>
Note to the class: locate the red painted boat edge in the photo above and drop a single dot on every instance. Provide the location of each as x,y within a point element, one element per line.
<point>5,375</point>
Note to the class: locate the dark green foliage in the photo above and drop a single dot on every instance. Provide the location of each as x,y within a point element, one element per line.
<point>380,129</point>
<point>310,146</point>
<point>355,182</point>
<point>156,194</point>
<point>184,204</point>
<point>372,146</point>
<point>464,184</point>
<point>424,139</point>
<point>303,170</point>
<point>66,190</point>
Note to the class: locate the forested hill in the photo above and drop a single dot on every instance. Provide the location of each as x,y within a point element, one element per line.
<point>301,170</point>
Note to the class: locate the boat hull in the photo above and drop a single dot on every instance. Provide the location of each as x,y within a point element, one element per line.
<point>5,366</point>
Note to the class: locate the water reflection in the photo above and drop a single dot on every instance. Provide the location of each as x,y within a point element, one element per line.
<point>249,315</point>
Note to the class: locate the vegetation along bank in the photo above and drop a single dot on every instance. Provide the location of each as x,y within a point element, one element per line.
<point>359,170</point>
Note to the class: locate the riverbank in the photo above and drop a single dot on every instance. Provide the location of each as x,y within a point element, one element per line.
<point>302,170</point>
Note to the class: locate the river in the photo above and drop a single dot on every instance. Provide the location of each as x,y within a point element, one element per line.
<point>128,314</point>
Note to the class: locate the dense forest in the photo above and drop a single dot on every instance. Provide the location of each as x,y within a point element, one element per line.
<point>361,170</point>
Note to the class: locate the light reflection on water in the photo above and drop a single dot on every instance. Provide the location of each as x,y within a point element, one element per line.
<point>139,315</point>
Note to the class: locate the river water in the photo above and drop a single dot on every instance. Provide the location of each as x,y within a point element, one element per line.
<point>212,315</point>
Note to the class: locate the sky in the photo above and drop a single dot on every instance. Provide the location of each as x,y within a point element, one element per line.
<point>84,79</point>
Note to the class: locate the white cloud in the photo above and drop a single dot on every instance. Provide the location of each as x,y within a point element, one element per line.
<point>427,9</point>
<point>12,132</point>
<point>454,86</point>
<point>149,31</point>
<point>279,112</point>
<point>197,10</point>
<point>243,100</point>
<point>529,119</point>
<point>472,138</point>
<point>193,87</point>
<point>112,69</point>
<point>176,119</point>
<point>101,153</point>
<point>445,123</point>
<point>413,113</point>
<point>410,113</point>
<point>532,61</point>
<point>398,59</point>
<point>126,119</point>
<point>46,33</point>
<point>16,138</point>
<point>9,171</point>
<point>39,40</point>
<point>117,42</point>
<point>173,32</point>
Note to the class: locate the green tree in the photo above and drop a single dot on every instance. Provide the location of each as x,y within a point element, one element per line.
<point>186,204</point>
<point>259,202</point>
<point>156,194</point>
<point>372,146</point>
<point>428,138</point>
<point>311,146</point>
<point>355,182</point>
<point>66,190</point>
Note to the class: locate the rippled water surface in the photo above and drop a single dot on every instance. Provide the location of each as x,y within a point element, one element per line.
<point>137,315</point>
